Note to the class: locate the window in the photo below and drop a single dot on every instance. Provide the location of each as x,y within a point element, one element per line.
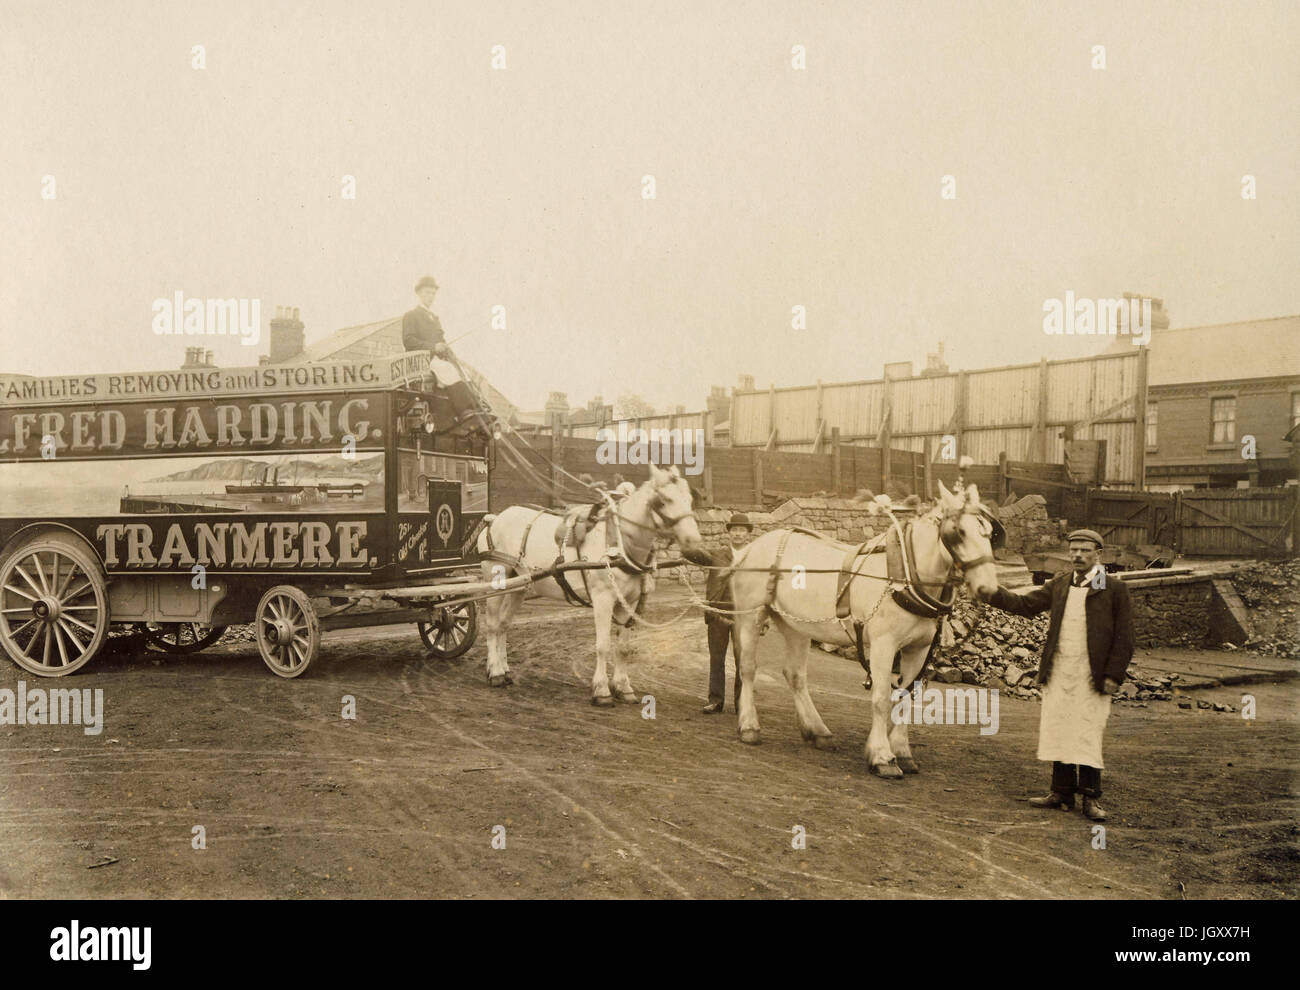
<point>1223,419</point>
<point>1151,424</point>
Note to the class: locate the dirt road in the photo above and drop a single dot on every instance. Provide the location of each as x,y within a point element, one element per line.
<point>403,801</point>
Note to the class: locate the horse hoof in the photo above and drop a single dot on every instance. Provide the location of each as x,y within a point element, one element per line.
<point>628,698</point>
<point>751,737</point>
<point>500,680</point>
<point>603,700</point>
<point>825,742</point>
<point>908,765</point>
<point>888,771</point>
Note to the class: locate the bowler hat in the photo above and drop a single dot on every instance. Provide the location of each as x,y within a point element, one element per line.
<point>426,283</point>
<point>1086,534</point>
<point>739,519</point>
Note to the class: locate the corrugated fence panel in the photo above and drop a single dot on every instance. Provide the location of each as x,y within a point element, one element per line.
<point>924,405</point>
<point>683,421</point>
<point>1079,389</point>
<point>855,409</point>
<point>750,422</point>
<point>985,445</point>
<point>1116,380</point>
<point>1119,450</point>
<point>796,415</point>
<point>1009,396</point>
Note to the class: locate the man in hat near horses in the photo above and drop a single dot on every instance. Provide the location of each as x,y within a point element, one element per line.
<point>1087,652</point>
<point>422,331</point>
<point>720,627</point>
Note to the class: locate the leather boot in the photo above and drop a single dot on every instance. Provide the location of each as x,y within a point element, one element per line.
<point>1053,800</point>
<point>1093,810</point>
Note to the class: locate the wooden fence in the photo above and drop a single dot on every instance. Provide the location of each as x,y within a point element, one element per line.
<point>745,477</point>
<point>1215,522</point>
<point>1256,522</point>
<point>729,476</point>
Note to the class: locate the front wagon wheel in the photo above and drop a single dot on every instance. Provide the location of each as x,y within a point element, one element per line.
<point>53,606</point>
<point>451,631</point>
<point>288,631</point>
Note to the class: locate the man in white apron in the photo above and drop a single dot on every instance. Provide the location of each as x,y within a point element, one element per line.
<point>1087,653</point>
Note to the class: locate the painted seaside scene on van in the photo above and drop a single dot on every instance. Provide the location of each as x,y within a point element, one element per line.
<point>258,483</point>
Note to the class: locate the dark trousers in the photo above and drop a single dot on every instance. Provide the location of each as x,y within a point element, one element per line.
<point>1069,778</point>
<point>720,634</point>
<point>462,398</point>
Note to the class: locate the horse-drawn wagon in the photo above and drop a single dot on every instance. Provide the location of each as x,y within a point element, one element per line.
<point>298,498</point>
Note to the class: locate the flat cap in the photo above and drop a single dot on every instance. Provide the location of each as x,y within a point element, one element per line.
<point>1086,534</point>
<point>426,283</point>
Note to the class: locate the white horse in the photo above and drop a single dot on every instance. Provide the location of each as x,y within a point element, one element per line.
<point>662,505</point>
<point>955,534</point>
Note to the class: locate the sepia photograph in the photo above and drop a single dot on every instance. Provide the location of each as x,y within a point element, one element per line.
<point>730,451</point>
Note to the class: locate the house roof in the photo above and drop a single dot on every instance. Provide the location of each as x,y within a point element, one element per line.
<point>324,348</point>
<point>1225,351</point>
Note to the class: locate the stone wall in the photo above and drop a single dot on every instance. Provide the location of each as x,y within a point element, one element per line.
<point>1169,614</point>
<point>1029,528</point>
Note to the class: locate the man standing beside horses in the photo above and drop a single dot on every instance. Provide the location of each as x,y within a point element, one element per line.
<point>1088,649</point>
<point>718,592</point>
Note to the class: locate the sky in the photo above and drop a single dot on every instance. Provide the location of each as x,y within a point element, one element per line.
<point>522,187</point>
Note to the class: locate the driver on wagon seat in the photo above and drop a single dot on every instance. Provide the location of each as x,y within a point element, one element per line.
<point>422,331</point>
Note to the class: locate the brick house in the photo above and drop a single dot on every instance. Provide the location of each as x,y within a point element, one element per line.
<point>1212,388</point>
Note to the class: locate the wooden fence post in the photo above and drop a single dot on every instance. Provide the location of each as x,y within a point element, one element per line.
<point>1004,484</point>
<point>1295,523</point>
<point>928,454</point>
<point>963,387</point>
<point>557,446</point>
<point>708,482</point>
<point>758,478</point>
<point>836,468</point>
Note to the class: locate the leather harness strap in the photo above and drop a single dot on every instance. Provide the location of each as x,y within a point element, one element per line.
<point>911,596</point>
<point>774,574</point>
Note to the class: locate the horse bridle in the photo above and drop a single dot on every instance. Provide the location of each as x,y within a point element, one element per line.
<point>664,527</point>
<point>666,523</point>
<point>950,536</point>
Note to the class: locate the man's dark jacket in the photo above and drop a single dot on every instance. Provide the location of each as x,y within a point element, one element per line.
<point>718,589</point>
<point>1109,619</point>
<point>421,330</point>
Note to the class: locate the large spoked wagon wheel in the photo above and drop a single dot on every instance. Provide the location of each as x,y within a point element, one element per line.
<point>182,637</point>
<point>53,606</point>
<point>450,631</point>
<point>288,632</point>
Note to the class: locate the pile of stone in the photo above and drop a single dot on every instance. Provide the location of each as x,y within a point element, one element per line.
<point>1029,528</point>
<point>1271,590</point>
<point>992,648</point>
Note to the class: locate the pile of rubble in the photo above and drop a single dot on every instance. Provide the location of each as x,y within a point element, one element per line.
<point>1271,590</point>
<point>991,648</point>
<point>987,647</point>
